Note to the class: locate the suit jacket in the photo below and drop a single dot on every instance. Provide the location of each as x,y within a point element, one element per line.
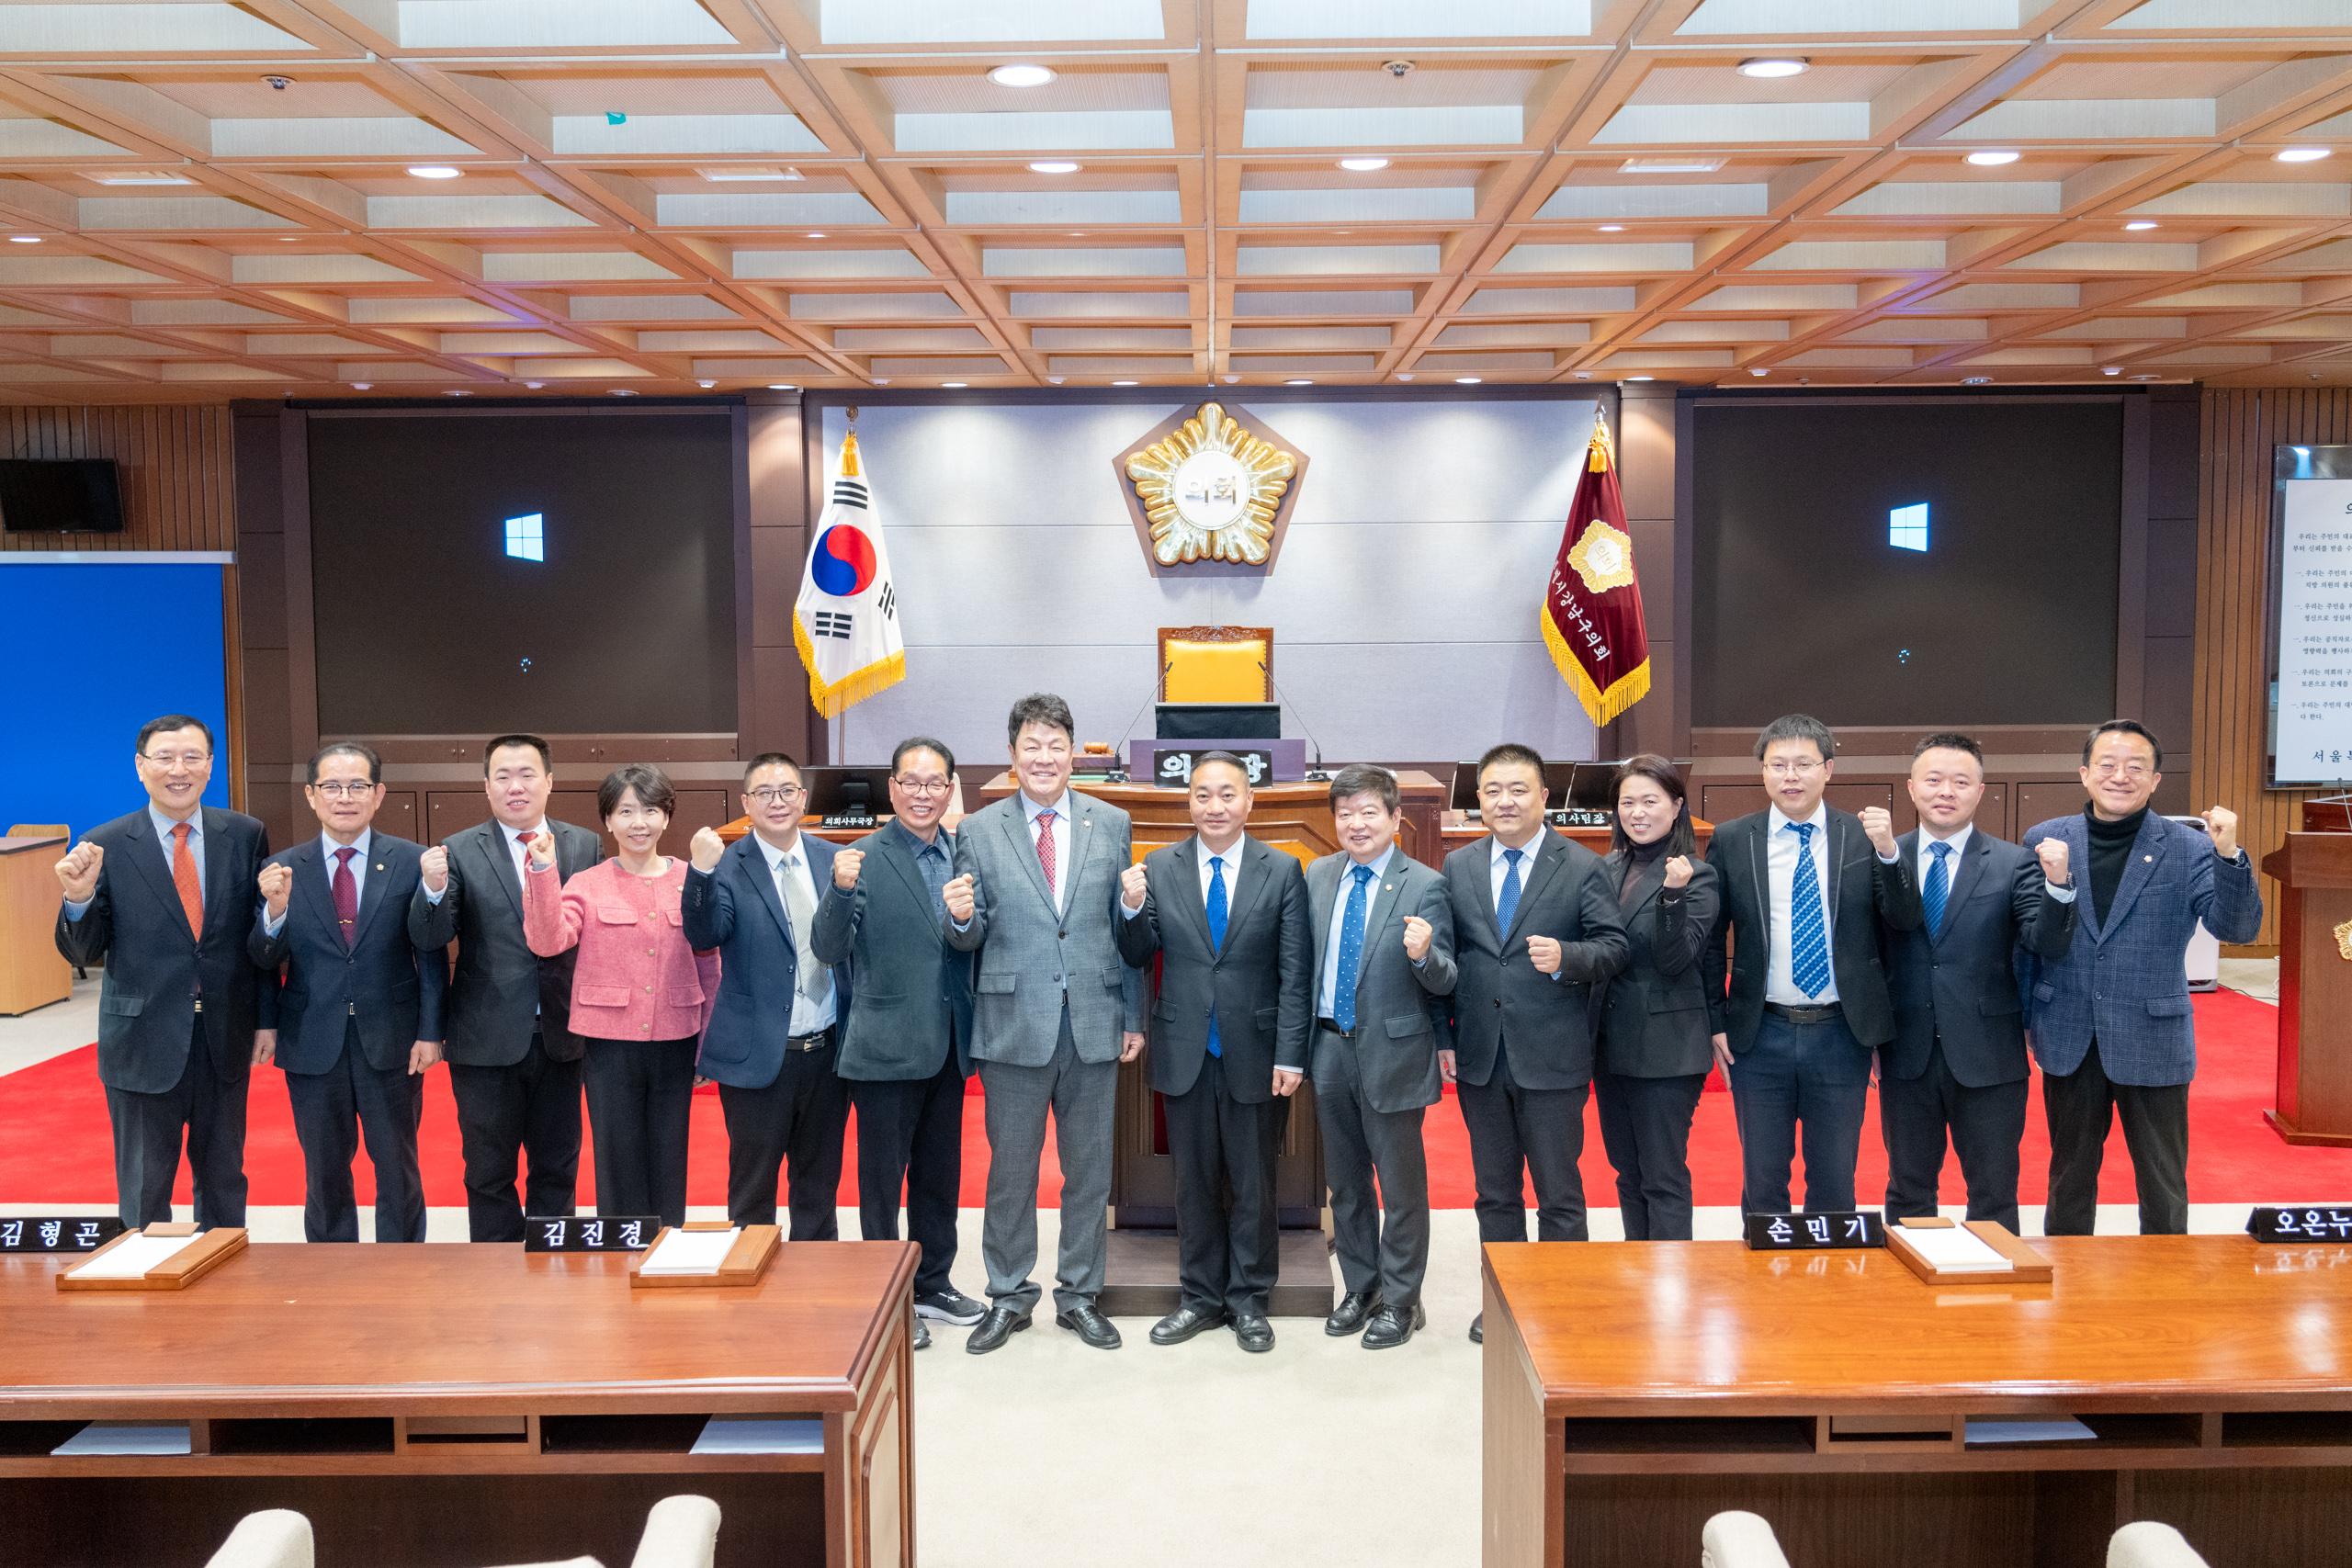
<point>2123,982</point>
<point>736,908</point>
<point>1501,994</point>
<point>156,967</point>
<point>914,991</point>
<point>1865,893</point>
<point>1959,985</point>
<point>1023,943</point>
<point>502,990</point>
<point>1401,1008</point>
<point>1652,1018</point>
<point>381,982</point>
<point>1257,983</point>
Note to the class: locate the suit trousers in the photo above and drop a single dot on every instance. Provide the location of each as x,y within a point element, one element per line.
<point>910,1135</point>
<point>529,1107</point>
<point>1986,1126</point>
<point>1645,1127</point>
<point>641,1095</point>
<point>333,1112</point>
<point>1228,1238</point>
<point>1537,1132</point>
<point>1817,1074</point>
<point>2080,1106</point>
<point>1081,1096</point>
<point>1382,1237</point>
<point>147,1143</point>
<point>797,1122</point>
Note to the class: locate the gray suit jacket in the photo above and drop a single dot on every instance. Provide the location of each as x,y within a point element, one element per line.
<point>1027,949</point>
<point>1400,1010</point>
<point>499,980</point>
<point>1501,999</point>
<point>1960,986</point>
<point>914,991</point>
<point>1256,983</point>
<point>1652,1017</point>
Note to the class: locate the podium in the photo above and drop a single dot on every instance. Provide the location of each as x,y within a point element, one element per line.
<point>2315,869</point>
<point>32,973</point>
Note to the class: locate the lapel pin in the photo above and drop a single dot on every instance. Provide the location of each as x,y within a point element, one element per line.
<point>2147,857</point>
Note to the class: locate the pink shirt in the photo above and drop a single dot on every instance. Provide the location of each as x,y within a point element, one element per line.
<point>635,980</point>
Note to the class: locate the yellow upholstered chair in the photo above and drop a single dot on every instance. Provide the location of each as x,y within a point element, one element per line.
<point>1217,664</point>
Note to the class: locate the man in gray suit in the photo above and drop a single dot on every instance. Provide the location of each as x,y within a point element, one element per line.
<point>907,1047</point>
<point>513,1064</point>
<point>1055,1011</point>
<point>1384,967</point>
<point>1227,918</point>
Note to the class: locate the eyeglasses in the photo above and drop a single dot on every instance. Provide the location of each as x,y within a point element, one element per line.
<point>2107,769</point>
<point>924,786</point>
<point>1791,770</point>
<point>771,794</point>
<point>187,759</point>
<point>337,789</point>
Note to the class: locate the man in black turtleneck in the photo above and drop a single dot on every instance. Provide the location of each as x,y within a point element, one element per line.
<point>2111,1022</point>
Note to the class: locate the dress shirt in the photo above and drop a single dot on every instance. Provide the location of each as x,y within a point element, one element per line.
<point>164,829</point>
<point>2063,892</point>
<point>515,851</point>
<point>1499,868</point>
<point>1781,869</point>
<point>934,860</point>
<point>1327,988</point>
<point>327,847</point>
<point>1029,811</point>
<point>808,1016</point>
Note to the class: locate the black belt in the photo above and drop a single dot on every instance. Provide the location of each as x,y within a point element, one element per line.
<point>1330,1026</point>
<point>1821,1014</point>
<point>816,1042</point>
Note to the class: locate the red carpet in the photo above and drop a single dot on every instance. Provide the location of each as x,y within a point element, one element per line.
<point>55,1147</point>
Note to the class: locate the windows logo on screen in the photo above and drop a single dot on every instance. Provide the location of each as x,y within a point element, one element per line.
<point>526,541</point>
<point>1906,527</point>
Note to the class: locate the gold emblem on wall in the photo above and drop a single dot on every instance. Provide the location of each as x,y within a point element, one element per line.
<point>1211,490</point>
<point>1603,556</point>
<point>2344,939</point>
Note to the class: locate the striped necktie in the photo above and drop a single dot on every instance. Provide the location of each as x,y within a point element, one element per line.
<point>1808,927</point>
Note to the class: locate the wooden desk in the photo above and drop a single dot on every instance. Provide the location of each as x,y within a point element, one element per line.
<point>309,1373</point>
<point>1634,1388</point>
<point>32,972</point>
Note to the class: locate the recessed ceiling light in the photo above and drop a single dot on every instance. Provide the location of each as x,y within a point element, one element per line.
<point>622,392</point>
<point>1300,382</point>
<point>1584,375</point>
<point>291,239</point>
<point>779,386</point>
<point>2147,378</point>
<point>1054,166</point>
<point>361,385</point>
<point>1613,228</point>
<point>1990,160</point>
<point>1685,165</point>
<point>1022,75</point>
<point>955,385</point>
<point>1771,66</point>
<point>1363,165</point>
<point>535,386</point>
<point>1976,381</point>
<point>2141,223</point>
<point>706,383</point>
<point>1123,383</point>
<point>459,393</point>
<point>1762,371</point>
<point>816,236</point>
<point>1641,377</point>
<point>139,177</point>
<point>1229,380</point>
<point>2110,370</point>
<point>1467,380</point>
<point>746,176</point>
<point>24,238</point>
<point>2301,154</point>
<point>434,170</point>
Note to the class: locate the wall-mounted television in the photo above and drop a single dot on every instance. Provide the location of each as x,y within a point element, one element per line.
<point>60,495</point>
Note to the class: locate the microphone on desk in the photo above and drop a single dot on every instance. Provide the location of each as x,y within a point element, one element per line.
<point>1120,750</point>
<point>1315,773</point>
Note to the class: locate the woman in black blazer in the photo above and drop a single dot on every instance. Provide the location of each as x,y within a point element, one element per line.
<point>1653,1029</point>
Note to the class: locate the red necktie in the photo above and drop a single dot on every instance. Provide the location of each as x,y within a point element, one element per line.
<point>346,895</point>
<point>183,878</point>
<point>1045,852</point>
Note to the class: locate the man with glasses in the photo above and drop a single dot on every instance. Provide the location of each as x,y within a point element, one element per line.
<point>2111,1021</point>
<point>1806,891</point>
<point>164,897</point>
<point>771,1041</point>
<point>907,1047</point>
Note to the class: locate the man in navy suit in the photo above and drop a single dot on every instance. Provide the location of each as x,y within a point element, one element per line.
<point>771,1041</point>
<point>360,1023</point>
<point>2111,1022</point>
<point>163,898</point>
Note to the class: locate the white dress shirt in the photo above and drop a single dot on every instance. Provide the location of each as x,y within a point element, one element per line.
<point>1327,988</point>
<point>164,827</point>
<point>1781,869</point>
<point>1500,868</point>
<point>1958,842</point>
<point>327,847</point>
<point>1030,812</point>
<point>808,1016</point>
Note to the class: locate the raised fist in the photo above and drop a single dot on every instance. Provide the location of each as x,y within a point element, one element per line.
<point>958,895</point>
<point>706,847</point>
<point>1879,827</point>
<point>1678,871</point>
<point>1131,886</point>
<point>542,847</point>
<point>1417,938</point>
<point>1543,952</point>
<point>2223,823</point>
<point>2054,858</point>
<point>845,866</point>
<point>435,866</point>
<point>277,885</point>
<point>78,872</point>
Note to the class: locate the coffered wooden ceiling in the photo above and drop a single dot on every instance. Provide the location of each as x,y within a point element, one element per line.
<point>212,199</point>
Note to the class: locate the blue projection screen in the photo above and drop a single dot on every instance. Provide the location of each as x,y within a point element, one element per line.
<point>95,650</point>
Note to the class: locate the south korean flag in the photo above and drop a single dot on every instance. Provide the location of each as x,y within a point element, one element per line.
<point>846,621</point>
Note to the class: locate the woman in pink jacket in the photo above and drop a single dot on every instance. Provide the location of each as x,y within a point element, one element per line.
<point>639,995</point>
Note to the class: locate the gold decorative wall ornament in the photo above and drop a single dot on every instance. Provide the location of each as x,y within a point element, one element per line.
<point>1211,490</point>
<point>2344,939</point>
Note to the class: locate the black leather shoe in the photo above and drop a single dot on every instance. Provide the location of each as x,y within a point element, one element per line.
<point>1349,1316</point>
<point>1090,1325</point>
<point>1183,1323</point>
<point>922,1335</point>
<point>1254,1333</point>
<point>1478,1329</point>
<point>1391,1328</point>
<point>1001,1324</point>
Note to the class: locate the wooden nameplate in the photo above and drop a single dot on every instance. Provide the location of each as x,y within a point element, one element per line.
<point>2027,1266</point>
<point>745,1262</point>
<point>177,1272</point>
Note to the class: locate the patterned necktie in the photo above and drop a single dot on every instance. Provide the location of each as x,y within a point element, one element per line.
<point>1808,931</point>
<point>347,895</point>
<point>183,878</point>
<point>1938,887</point>
<point>1343,990</point>
<point>803,910</point>
<point>1045,854</point>
<point>1216,932</point>
<point>1507,902</point>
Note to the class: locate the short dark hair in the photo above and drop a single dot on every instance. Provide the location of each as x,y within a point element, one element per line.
<point>360,749</point>
<point>1040,708</point>
<point>2121,726</point>
<point>651,785</point>
<point>1797,726</point>
<point>1364,778</point>
<point>501,742</point>
<point>769,760</point>
<point>1679,840</point>
<point>1229,759</point>
<point>166,725</point>
<point>924,743</point>
<point>1510,752</point>
<point>1948,740</point>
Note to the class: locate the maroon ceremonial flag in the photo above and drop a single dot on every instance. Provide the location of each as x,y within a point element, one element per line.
<point>1592,610</point>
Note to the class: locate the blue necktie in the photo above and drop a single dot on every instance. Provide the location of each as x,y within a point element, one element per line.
<point>1343,990</point>
<point>1216,932</point>
<point>1507,901</point>
<point>1808,933</point>
<point>1938,887</point>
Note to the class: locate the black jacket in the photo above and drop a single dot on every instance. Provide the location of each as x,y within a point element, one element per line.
<point>499,980</point>
<point>380,982</point>
<point>1544,1022</point>
<point>1960,984</point>
<point>1652,1017</point>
